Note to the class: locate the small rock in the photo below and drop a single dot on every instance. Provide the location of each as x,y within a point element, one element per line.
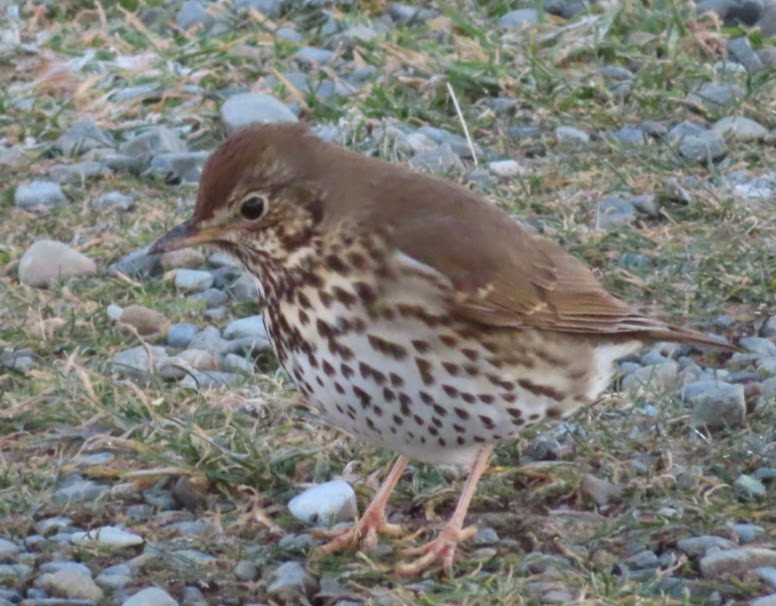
<point>212,297</point>
<point>245,288</point>
<point>252,326</point>
<point>768,600</point>
<point>749,487</point>
<point>209,339</point>
<point>701,545</point>
<point>250,108</point>
<point>191,491</point>
<point>767,574</point>
<point>739,128</point>
<point>145,320</point>
<point>457,143</point>
<point>768,329</point>
<point>505,168</point>
<point>290,581</point>
<point>313,56</point>
<point>715,404</point>
<point>734,562</point>
<point>114,577</point>
<point>180,335</point>
<point>268,8</point>
<point>115,200</point>
<point>741,49</point>
<point>108,536</point>
<point>760,346</point>
<point>441,160</point>
<point>39,195</point>
<point>714,96</point>
<point>289,34</point>
<point>20,361</point>
<point>656,377</point>
<point>570,136</point>
<point>246,571</point>
<point>70,583</point>
<point>8,548</point>
<point>208,380</point>
<point>155,140</point>
<point>77,173</point>
<point>325,504</point>
<point>179,167</point>
<point>138,362</point>
<point>137,264</point>
<point>151,596</point>
<point>601,491</point>
<point>238,364</point>
<point>185,258</point>
<point>196,358</point>
<point>408,14</point>
<point>703,148</point>
<point>47,261</point>
<point>193,280</point>
<point>517,19</point>
<point>82,136</point>
<point>194,14</point>
<point>747,533</point>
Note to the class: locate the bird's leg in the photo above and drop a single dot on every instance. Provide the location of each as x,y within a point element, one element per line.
<point>373,521</point>
<point>442,549</point>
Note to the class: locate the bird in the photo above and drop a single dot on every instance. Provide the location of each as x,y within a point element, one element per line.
<point>412,312</point>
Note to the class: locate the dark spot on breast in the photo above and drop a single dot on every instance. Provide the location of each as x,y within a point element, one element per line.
<point>471,354</point>
<point>357,260</point>
<point>365,292</point>
<point>554,413</point>
<point>339,388</point>
<point>420,345</point>
<point>534,416</point>
<point>404,401</point>
<point>448,340</point>
<point>328,368</point>
<point>304,302</point>
<point>479,439</point>
<point>426,398</point>
<point>326,298</point>
<point>452,369</point>
<point>459,428</point>
<point>460,441</point>
<point>433,430</point>
<point>419,420</point>
<point>424,368</point>
<point>462,414</point>
<point>485,398</point>
<point>312,360</point>
<point>377,410</point>
<point>346,370</point>
<point>509,398</point>
<point>386,347</point>
<point>398,420</point>
<point>304,319</point>
<point>515,413</point>
<point>468,397</point>
<point>396,380</point>
<point>343,296</point>
<point>440,410</point>
<point>451,391</point>
<point>363,396</point>
<point>336,264</point>
<point>487,422</point>
<point>442,442</point>
<point>540,390</point>
<point>388,394</point>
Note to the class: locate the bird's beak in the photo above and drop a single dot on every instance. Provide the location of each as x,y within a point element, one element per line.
<point>185,235</point>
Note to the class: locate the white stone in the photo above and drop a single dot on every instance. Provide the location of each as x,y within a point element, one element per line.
<point>505,168</point>
<point>70,583</point>
<point>325,504</point>
<point>110,536</point>
<point>114,312</point>
<point>736,561</point>
<point>193,280</point>
<point>47,261</point>
<point>151,596</point>
<point>252,326</point>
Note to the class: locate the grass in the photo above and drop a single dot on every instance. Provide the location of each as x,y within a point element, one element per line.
<point>249,449</point>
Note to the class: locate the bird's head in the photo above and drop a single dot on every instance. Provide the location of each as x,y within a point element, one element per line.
<point>255,199</point>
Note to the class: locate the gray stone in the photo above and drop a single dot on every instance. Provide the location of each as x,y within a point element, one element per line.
<point>137,264</point>
<point>701,545</point>
<point>194,14</point>
<point>739,128</point>
<point>517,19</point>
<point>82,136</point>
<point>741,49</point>
<point>138,362</point>
<point>545,448</point>
<point>457,143</point>
<point>8,548</point>
<point>39,195</point>
<point>768,329</point>
<point>749,487</point>
<point>571,136</point>
<point>153,141</point>
<point>313,56</point>
<point>47,262</point>
<point>715,96</point>
<point>180,335</point>
<point>523,132</point>
<point>251,108</point>
<point>706,147</point>
<point>114,577</point>
<point>196,379</point>
<point>653,378</point>
<point>613,211</point>
<point>209,339</point>
<point>245,288</point>
<point>767,55</point>
<point>246,571</point>
<point>767,600</point>
<point>629,135</point>
<point>759,345</point>
<point>289,34</point>
<point>408,14</point>
<point>325,504</point>
<point>252,326</point>
<point>268,8</point>
<point>238,364</point>
<point>567,8</point>
<point>291,581</point>
<point>115,200</point>
<point>70,583</point>
<point>715,404</point>
<point>212,297</point>
<point>185,167</point>
<point>78,173</point>
<point>601,491</point>
<point>505,168</point>
<point>684,129</point>
<point>185,257</point>
<point>108,536</point>
<point>747,533</point>
<point>736,561</point>
<point>193,280</point>
<point>245,346</point>
<point>151,596</point>
<point>144,92</point>
<point>767,574</point>
<point>761,188</point>
<point>20,361</point>
<point>441,160</point>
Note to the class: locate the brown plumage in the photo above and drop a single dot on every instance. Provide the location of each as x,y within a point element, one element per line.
<point>411,311</point>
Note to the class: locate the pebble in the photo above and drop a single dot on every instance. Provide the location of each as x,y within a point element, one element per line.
<point>249,108</point>
<point>212,297</point>
<point>245,288</point>
<point>179,167</point>
<point>517,19</point>
<point>180,334</point>
<point>115,200</point>
<point>8,548</point>
<point>39,195</point>
<point>715,404</point>
<point>193,13</point>
<point>741,50</point>
<point>505,168</point>
<point>441,160</point>
<point>201,359</point>
<point>768,600</point>
<point>151,596</point>
<point>715,96</point>
<point>79,491</point>
<point>749,487</point>
<point>46,262</point>
<point>407,14</point>
<point>734,562</point>
<point>82,136</point>
<point>78,173</point>
<point>246,571</point>
<point>571,137</point>
<point>137,264</point>
<point>458,144</point>
<point>705,147</point>
<point>238,364</point>
<point>138,362</point>
<point>20,361</point>
<point>145,320</point>
<point>703,544</point>
<point>208,380</point>
<point>767,574</point>
<point>251,326</point>
<point>290,582</point>
<point>759,345</point>
<point>184,258</point>
<point>108,536</point>
<point>313,56</point>
<point>654,378</point>
<point>70,583</point>
<point>193,280</point>
<point>114,577</point>
<point>739,128</point>
<point>154,140</point>
<point>209,339</point>
<point>325,504</point>
<point>268,8</point>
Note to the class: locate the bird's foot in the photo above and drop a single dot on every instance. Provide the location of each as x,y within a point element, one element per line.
<point>441,549</point>
<point>363,533</point>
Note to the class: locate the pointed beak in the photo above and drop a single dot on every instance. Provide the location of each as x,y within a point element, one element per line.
<point>185,235</point>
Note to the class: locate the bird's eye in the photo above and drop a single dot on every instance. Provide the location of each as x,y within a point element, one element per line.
<point>253,207</point>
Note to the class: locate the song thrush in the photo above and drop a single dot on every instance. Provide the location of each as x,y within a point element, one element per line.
<point>412,312</point>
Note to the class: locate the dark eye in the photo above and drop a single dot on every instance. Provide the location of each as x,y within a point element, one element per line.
<point>253,208</point>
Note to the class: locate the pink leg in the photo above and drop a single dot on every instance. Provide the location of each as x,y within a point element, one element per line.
<point>442,549</point>
<point>373,521</point>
